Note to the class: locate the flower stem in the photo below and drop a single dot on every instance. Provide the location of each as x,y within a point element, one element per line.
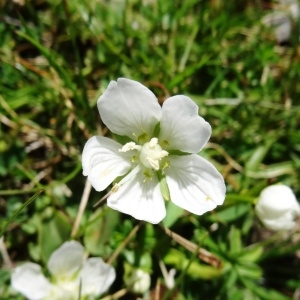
<point>7,263</point>
<point>82,206</point>
<point>116,295</point>
<point>125,242</point>
<point>203,254</point>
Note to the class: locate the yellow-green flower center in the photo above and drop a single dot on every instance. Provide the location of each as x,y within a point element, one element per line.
<point>151,153</point>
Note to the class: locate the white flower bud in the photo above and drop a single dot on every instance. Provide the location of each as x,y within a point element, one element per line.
<point>138,281</point>
<point>277,207</point>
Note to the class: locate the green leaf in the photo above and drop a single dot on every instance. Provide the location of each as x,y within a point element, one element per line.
<point>258,155</point>
<point>235,241</point>
<point>195,270</point>
<point>251,254</point>
<point>138,260</point>
<point>263,293</point>
<point>231,213</point>
<point>249,270</point>
<point>174,212</point>
<point>99,229</point>
<point>274,170</point>
<point>54,231</point>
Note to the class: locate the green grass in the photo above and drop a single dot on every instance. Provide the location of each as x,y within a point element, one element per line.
<point>57,57</point>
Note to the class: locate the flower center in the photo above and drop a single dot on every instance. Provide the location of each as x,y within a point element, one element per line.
<point>151,154</point>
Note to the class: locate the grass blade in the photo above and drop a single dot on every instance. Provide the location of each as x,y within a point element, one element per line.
<point>19,210</point>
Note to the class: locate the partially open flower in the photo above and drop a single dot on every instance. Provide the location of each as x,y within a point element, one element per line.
<point>277,207</point>
<point>72,276</point>
<point>160,158</point>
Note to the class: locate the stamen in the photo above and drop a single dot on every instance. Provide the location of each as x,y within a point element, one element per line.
<point>153,142</point>
<point>152,153</point>
<point>115,188</point>
<point>130,146</point>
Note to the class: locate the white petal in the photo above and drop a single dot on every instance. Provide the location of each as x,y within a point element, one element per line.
<point>66,261</point>
<point>284,222</point>
<point>275,18</point>
<point>29,281</point>
<point>195,184</point>
<point>182,127</point>
<point>281,22</point>
<point>277,207</point>
<point>129,108</point>
<point>139,197</point>
<point>102,162</point>
<point>275,200</point>
<point>96,277</point>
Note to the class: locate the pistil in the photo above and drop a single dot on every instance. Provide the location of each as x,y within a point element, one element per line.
<point>151,154</point>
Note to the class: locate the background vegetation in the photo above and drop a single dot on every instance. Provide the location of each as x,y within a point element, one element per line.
<point>57,57</point>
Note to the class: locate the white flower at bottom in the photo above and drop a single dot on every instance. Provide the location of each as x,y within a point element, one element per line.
<point>277,207</point>
<point>161,154</point>
<point>70,272</point>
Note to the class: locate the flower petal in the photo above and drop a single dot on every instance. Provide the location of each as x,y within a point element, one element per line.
<point>102,162</point>
<point>276,200</point>
<point>139,197</point>
<point>284,222</point>
<point>129,108</point>
<point>277,207</point>
<point>96,277</point>
<point>181,127</point>
<point>194,183</point>
<point>29,281</point>
<point>66,261</point>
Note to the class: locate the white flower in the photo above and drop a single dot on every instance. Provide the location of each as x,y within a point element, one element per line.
<point>149,157</point>
<point>277,207</point>
<point>282,18</point>
<point>138,281</point>
<point>70,273</point>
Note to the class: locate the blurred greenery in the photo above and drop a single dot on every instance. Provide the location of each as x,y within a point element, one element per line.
<point>57,57</point>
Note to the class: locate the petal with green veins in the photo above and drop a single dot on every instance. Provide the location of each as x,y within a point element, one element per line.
<point>96,277</point>
<point>103,162</point>
<point>181,127</point>
<point>138,195</point>
<point>66,261</point>
<point>29,280</point>
<point>129,108</point>
<point>194,183</point>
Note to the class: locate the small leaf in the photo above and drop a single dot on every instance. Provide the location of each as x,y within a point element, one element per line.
<point>249,270</point>
<point>258,155</point>
<point>174,212</point>
<point>164,189</point>
<point>251,254</point>
<point>235,240</point>
<point>231,213</point>
<point>99,229</point>
<point>265,294</point>
<point>195,270</point>
<point>52,233</point>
